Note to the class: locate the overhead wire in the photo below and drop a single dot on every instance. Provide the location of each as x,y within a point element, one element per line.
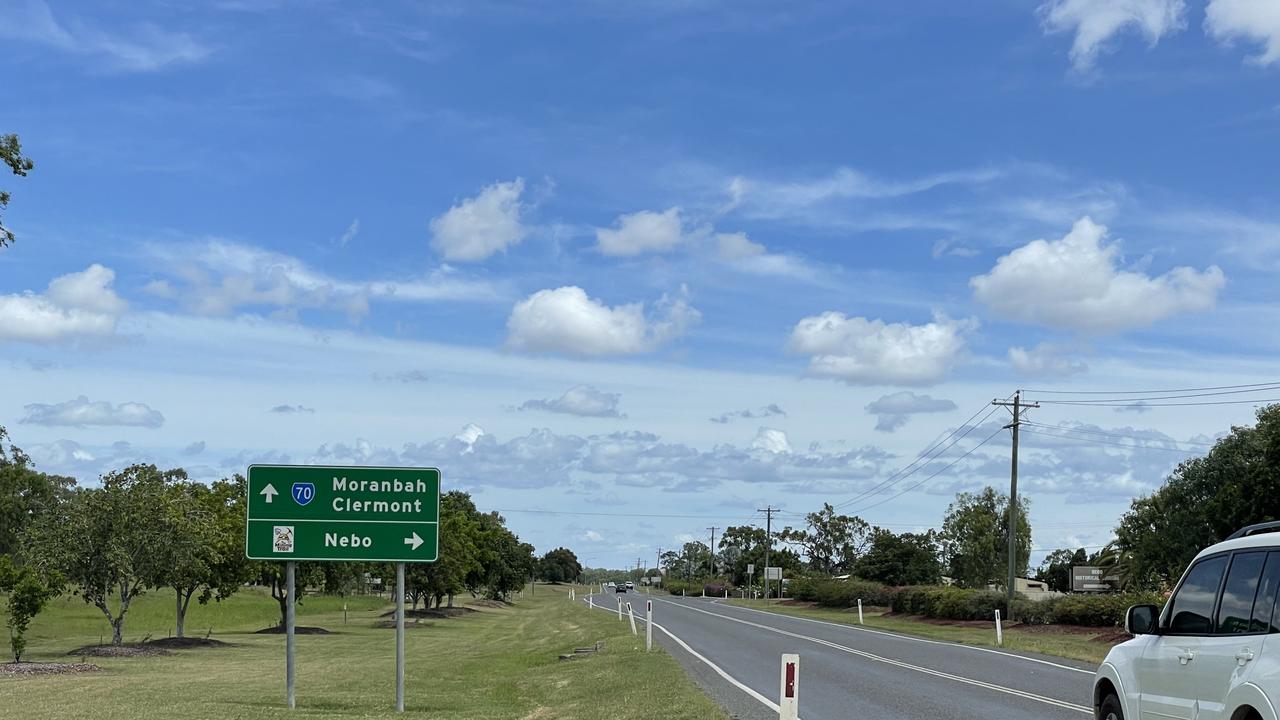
<point>1102,433</point>
<point>948,466</point>
<point>1179,396</point>
<point>1096,441</point>
<point>1147,392</point>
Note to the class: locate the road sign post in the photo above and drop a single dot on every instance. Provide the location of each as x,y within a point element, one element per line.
<point>322,513</point>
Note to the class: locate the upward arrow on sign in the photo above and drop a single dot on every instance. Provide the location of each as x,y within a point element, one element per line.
<point>269,492</point>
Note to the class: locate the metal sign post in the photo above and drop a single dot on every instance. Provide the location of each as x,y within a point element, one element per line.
<point>399,637</point>
<point>289,599</point>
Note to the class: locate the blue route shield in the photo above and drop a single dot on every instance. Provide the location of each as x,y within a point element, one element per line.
<point>304,492</point>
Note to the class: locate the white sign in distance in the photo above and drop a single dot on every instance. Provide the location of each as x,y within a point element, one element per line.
<point>751,568</point>
<point>773,573</point>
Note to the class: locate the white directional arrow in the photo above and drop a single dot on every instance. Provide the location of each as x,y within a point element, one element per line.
<point>413,542</point>
<point>269,491</point>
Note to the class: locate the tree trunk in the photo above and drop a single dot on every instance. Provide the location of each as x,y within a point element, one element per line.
<point>117,630</point>
<point>450,599</point>
<point>181,612</point>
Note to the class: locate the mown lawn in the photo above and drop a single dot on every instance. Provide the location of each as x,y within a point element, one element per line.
<point>494,663</point>
<point>1044,639</point>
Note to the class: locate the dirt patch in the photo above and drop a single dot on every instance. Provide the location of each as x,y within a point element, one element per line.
<point>184,643</point>
<point>297,630</point>
<point>27,669</point>
<point>441,613</point>
<point>140,650</point>
<point>494,604</point>
<point>391,624</point>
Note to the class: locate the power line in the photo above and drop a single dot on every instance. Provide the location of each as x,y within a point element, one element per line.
<point>607,514</point>
<point>1095,441</point>
<point>936,474</point>
<point>1147,392</point>
<point>1102,433</point>
<point>1144,404</point>
<point>1165,397</point>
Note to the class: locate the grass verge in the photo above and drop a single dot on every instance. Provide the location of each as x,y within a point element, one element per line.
<point>1046,640</point>
<point>495,663</point>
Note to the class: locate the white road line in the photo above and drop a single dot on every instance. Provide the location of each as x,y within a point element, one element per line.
<point>718,670</point>
<point>900,636</point>
<point>896,663</point>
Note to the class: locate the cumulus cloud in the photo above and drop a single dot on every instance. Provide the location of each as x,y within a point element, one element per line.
<point>1095,22</point>
<point>592,536</point>
<point>75,306</point>
<point>81,412</point>
<point>892,411</point>
<point>860,351</point>
<point>1045,360</point>
<point>1250,20</point>
<point>479,227</point>
<point>194,448</point>
<point>142,49</point>
<point>582,400</point>
<point>736,246</point>
<point>769,410</point>
<point>771,440</point>
<point>404,376</point>
<point>566,320</point>
<point>219,277</point>
<point>641,232</point>
<point>291,410</point>
<point>1075,283</point>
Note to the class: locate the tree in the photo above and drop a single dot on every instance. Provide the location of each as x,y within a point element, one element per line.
<point>975,538</point>
<point>25,494</point>
<point>906,559</point>
<point>1202,502</point>
<point>106,540</point>
<point>28,592</point>
<point>458,557</point>
<point>560,565</point>
<point>273,575</point>
<point>1055,569</point>
<point>11,155</point>
<point>204,530</point>
<point>832,543</point>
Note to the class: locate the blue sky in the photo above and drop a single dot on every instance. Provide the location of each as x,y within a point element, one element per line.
<point>685,258</point>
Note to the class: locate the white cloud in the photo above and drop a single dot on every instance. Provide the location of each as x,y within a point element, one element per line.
<point>350,233</point>
<point>1075,283</point>
<point>771,440</point>
<point>75,306</point>
<point>218,278</point>
<point>582,400</point>
<point>479,227</point>
<point>1095,22</point>
<point>767,411</point>
<point>81,412</point>
<point>872,352</point>
<point>736,246</point>
<point>1253,20</point>
<point>566,320</point>
<point>146,48</point>
<point>292,410</point>
<point>642,232</point>
<point>892,411</point>
<point>1045,360</point>
<point>194,448</point>
<point>592,536</point>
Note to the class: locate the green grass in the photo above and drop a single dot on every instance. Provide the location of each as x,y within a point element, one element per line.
<point>495,663</point>
<point>1046,642</point>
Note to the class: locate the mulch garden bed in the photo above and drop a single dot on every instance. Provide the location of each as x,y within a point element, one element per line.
<point>297,630</point>
<point>130,650</point>
<point>29,669</point>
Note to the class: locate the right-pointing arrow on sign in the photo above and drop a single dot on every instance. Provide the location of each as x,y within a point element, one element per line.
<point>413,541</point>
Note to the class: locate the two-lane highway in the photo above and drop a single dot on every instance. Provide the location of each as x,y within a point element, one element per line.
<point>852,672</point>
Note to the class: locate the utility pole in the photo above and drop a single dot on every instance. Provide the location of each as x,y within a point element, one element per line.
<point>1011,580</point>
<point>713,550</point>
<point>658,567</point>
<point>768,543</point>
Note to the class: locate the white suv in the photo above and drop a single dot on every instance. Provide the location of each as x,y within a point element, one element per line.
<point>1208,655</point>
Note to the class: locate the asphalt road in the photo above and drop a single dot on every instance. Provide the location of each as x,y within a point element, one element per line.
<point>848,673</point>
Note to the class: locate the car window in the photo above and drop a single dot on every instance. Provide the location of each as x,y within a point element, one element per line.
<point>1263,618</point>
<point>1236,607</point>
<point>1192,608</point>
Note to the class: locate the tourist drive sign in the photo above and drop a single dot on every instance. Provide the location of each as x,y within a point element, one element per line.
<point>310,512</point>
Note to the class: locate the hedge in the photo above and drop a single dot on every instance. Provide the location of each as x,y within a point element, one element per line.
<point>949,603</point>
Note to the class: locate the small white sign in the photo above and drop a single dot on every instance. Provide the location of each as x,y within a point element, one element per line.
<point>751,568</point>
<point>773,573</point>
<point>282,538</point>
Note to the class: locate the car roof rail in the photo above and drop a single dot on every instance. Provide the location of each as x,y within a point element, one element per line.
<point>1255,529</point>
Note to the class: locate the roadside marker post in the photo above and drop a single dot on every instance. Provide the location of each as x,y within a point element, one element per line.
<point>860,612</point>
<point>789,693</point>
<point>648,625</point>
<point>619,609</point>
<point>631,614</point>
<point>999,631</point>
<point>341,514</point>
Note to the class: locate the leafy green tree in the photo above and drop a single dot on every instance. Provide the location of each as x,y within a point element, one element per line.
<point>25,494</point>
<point>1055,569</point>
<point>1202,502</point>
<point>458,557</point>
<point>28,592</point>
<point>975,538</point>
<point>272,575</point>
<point>832,543</point>
<point>204,527</point>
<point>905,559</point>
<point>106,540</point>
<point>560,565</point>
<point>11,155</point>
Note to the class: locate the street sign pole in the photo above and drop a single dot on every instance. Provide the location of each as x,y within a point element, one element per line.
<point>289,599</point>
<point>399,637</point>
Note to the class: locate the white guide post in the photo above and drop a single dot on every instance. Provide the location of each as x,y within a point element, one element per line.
<point>632,616</point>
<point>619,609</point>
<point>999,630</point>
<point>648,625</point>
<point>789,692</point>
<point>860,612</point>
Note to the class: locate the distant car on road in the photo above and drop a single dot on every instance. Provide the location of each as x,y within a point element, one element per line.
<point>1208,648</point>
<point>630,585</point>
<point>621,588</point>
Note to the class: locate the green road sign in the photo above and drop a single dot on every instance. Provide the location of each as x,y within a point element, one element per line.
<point>309,512</point>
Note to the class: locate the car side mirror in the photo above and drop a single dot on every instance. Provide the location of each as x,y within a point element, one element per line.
<point>1141,619</point>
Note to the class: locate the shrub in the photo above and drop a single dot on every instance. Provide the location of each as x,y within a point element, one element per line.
<point>803,589</point>
<point>1106,610</point>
